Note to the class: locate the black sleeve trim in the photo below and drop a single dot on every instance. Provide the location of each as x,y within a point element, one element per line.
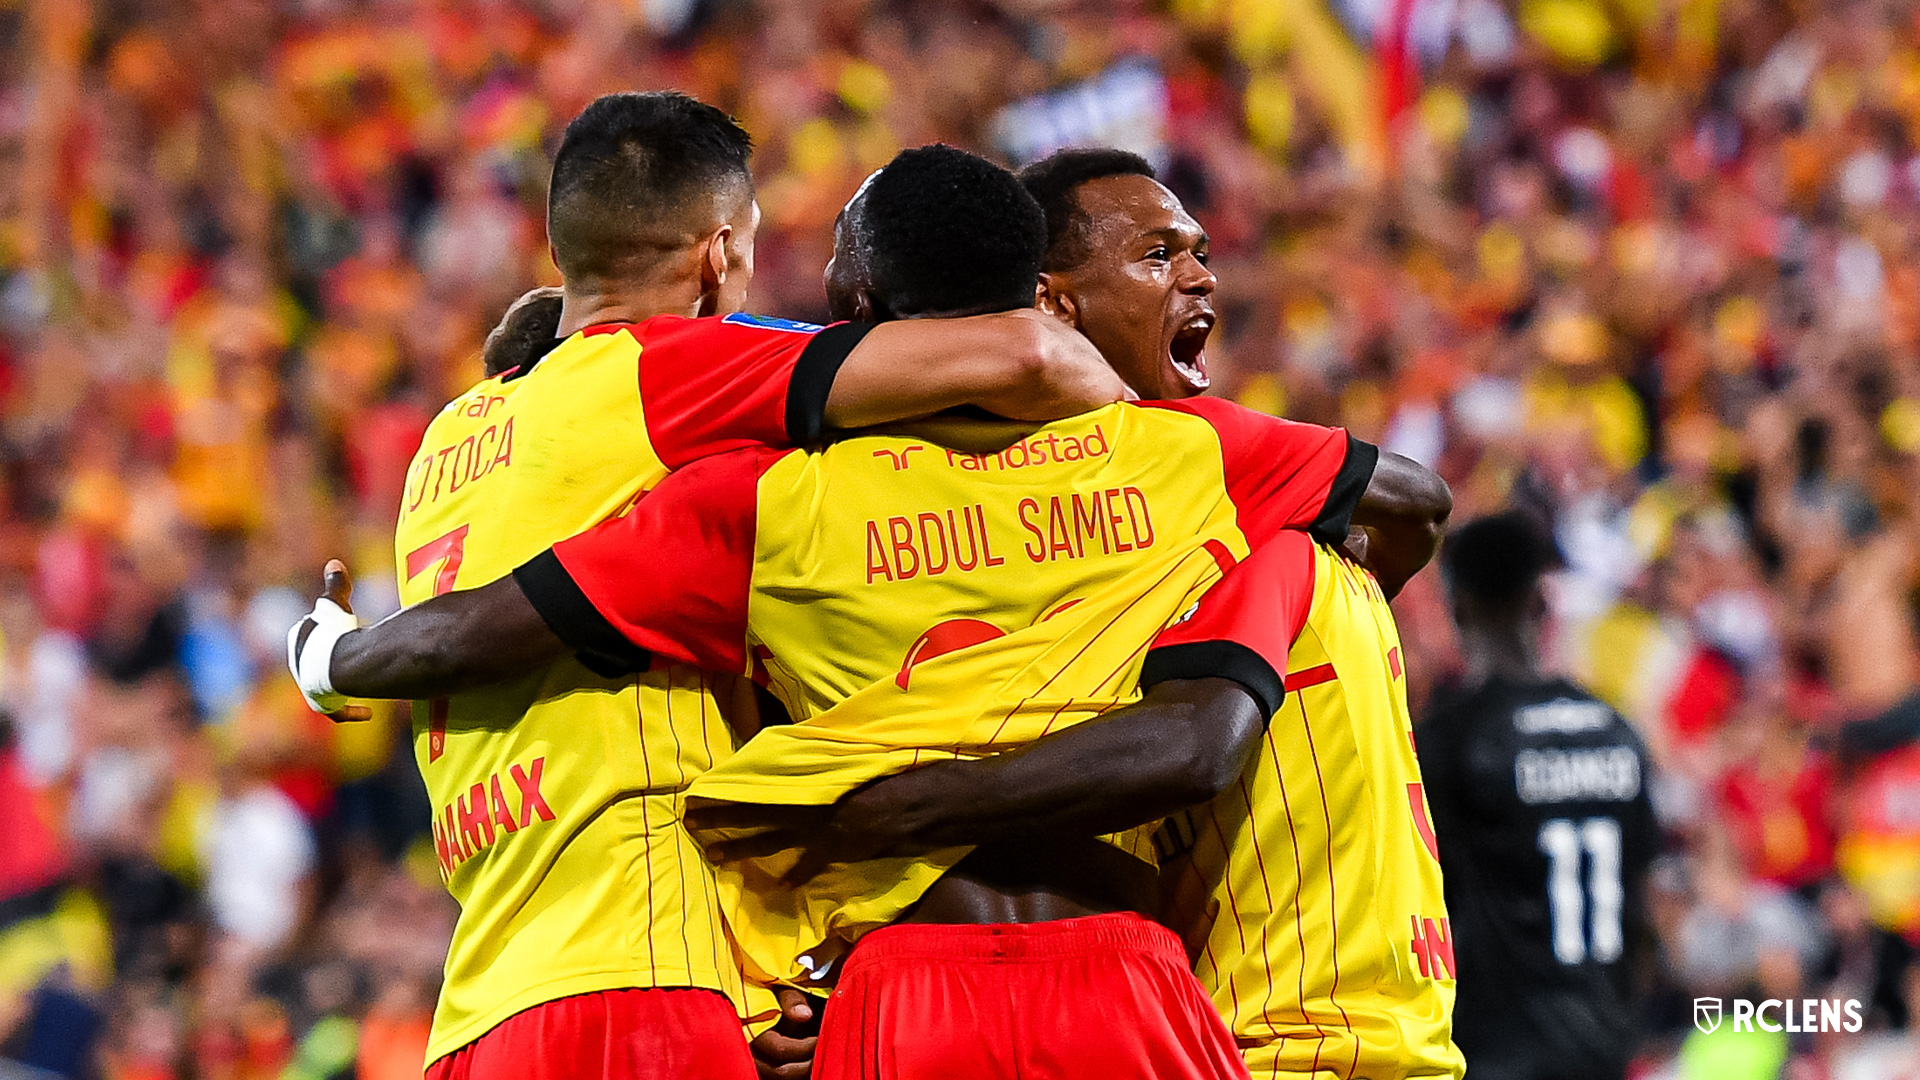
<point>812,381</point>
<point>573,618</point>
<point>1217,660</point>
<point>1348,485</point>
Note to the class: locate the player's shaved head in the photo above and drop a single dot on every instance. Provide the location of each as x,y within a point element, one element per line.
<point>938,232</point>
<point>1055,181</point>
<point>639,176</point>
<point>1493,566</point>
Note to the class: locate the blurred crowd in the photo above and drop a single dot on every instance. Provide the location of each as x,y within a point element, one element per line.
<point>1650,267</point>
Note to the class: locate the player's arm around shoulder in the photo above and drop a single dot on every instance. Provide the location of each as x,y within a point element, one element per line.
<point>1211,683</point>
<point>1403,516</point>
<point>454,642</point>
<point>604,595</point>
<point>1182,744</point>
<point>1022,365</point>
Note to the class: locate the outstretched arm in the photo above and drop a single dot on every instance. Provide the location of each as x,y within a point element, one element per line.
<point>1184,743</point>
<point>722,380</point>
<point>596,595</point>
<point>1404,515</point>
<point>1018,364</point>
<point>445,645</point>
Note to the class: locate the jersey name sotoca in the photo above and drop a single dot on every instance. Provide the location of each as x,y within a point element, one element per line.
<point>556,796</point>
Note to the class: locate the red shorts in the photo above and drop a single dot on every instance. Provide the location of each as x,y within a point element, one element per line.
<point>653,1034</point>
<point>1106,996</point>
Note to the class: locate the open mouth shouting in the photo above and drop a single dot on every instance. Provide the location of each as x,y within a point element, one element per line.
<point>1188,350</point>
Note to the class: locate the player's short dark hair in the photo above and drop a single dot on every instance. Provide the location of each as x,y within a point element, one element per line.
<point>1054,182</point>
<point>635,168</point>
<point>1497,561</point>
<point>524,333</point>
<point>950,233</point>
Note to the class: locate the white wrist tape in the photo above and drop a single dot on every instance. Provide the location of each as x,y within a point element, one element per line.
<point>312,664</point>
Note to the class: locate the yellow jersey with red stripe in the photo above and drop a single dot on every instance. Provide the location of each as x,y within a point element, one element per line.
<point>1311,891</point>
<point>556,796</point>
<point>908,597</point>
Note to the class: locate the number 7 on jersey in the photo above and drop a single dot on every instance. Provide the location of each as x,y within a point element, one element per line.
<point>448,550</point>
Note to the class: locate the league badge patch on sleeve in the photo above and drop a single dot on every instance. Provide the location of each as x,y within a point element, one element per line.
<point>768,322</point>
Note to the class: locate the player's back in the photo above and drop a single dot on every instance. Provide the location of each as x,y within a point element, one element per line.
<point>905,595</point>
<point>1067,550</point>
<point>1546,832</point>
<point>1310,890</point>
<point>556,796</point>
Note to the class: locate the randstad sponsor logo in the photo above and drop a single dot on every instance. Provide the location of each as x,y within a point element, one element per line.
<point>1801,1015</point>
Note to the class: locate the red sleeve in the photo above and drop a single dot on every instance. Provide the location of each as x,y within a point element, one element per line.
<point>668,580</point>
<point>712,385</point>
<point>1245,625</point>
<point>1282,474</point>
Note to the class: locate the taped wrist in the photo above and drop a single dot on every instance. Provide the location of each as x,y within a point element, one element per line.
<point>311,662</point>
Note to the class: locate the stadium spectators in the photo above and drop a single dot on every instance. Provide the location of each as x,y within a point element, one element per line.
<point>1658,280</point>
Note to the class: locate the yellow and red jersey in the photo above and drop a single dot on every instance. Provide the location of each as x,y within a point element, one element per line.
<point>909,599</point>
<point>1311,891</point>
<point>556,796</point>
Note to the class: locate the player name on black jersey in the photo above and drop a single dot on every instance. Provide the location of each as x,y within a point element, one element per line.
<point>1600,774</point>
<point>1541,809</point>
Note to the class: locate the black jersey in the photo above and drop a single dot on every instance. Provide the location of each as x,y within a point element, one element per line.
<point>1539,798</point>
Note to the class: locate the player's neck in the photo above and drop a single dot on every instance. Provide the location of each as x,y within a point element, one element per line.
<point>586,307</point>
<point>1500,651</point>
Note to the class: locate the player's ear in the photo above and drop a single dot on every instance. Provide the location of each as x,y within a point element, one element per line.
<point>714,262</point>
<point>868,309</point>
<point>1053,296</point>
